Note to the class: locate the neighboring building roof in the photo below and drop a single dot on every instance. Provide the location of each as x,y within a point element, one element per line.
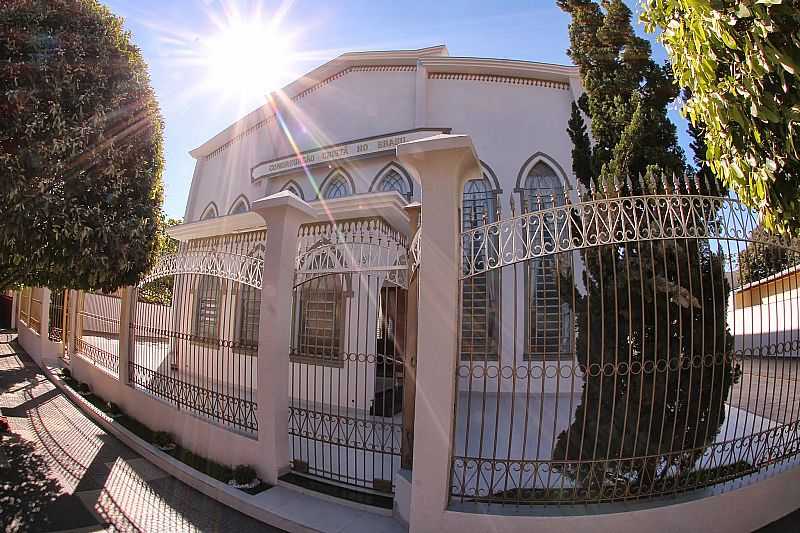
<point>434,59</point>
<point>778,275</point>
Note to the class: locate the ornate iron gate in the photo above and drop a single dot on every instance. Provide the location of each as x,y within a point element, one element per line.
<point>194,329</point>
<point>348,343</point>
<point>649,345</point>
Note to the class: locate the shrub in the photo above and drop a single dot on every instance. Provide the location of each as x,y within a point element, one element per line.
<point>66,374</point>
<point>163,439</point>
<point>244,474</point>
<point>83,388</point>
<point>4,425</point>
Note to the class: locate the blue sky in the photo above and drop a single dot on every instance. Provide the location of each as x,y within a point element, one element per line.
<point>174,37</point>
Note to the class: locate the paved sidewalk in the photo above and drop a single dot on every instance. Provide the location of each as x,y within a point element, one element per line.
<point>101,483</point>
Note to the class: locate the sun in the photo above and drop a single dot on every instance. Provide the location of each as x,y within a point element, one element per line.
<point>248,57</point>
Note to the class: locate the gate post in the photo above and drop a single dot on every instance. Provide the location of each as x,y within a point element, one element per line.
<point>283,213</point>
<point>410,356</point>
<point>128,299</point>
<point>443,164</point>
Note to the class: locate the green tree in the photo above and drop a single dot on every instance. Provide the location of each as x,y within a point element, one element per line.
<point>626,96</point>
<point>761,258</point>
<point>658,367</point>
<point>741,61</point>
<point>80,148</point>
<point>160,290</point>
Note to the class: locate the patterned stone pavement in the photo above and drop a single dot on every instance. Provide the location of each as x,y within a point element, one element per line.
<point>101,483</point>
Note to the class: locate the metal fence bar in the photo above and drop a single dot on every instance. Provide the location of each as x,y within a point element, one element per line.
<point>650,346</point>
<point>195,329</point>
<point>347,353</point>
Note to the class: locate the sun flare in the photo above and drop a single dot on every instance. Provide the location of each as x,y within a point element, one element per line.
<point>248,57</point>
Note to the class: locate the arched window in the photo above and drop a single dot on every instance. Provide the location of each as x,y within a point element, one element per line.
<point>393,178</point>
<point>548,318</point>
<point>241,205</point>
<point>543,188</point>
<point>480,295</point>
<point>294,188</point>
<point>393,181</point>
<point>337,188</point>
<point>210,212</point>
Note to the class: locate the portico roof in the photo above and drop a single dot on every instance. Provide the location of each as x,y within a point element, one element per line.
<point>387,205</point>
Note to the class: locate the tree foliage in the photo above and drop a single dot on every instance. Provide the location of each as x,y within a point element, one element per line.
<point>626,97</point>
<point>761,259</point>
<point>159,291</point>
<point>741,61</point>
<point>80,148</point>
<point>656,364</point>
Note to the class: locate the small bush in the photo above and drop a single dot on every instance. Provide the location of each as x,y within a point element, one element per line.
<point>83,388</point>
<point>244,474</point>
<point>66,374</point>
<point>163,439</point>
<point>5,427</point>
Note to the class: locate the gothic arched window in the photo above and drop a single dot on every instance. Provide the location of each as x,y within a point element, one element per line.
<point>240,206</point>
<point>337,186</point>
<point>548,319</point>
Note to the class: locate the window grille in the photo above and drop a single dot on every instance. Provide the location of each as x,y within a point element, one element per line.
<point>547,317</point>
<point>321,318</point>
<point>207,308</point>
<point>394,181</point>
<point>480,294</point>
<point>248,317</point>
<point>337,188</point>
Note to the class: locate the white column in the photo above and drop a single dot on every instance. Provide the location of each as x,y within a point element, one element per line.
<point>283,213</point>
<point>44,321</point>
<point>129,295</point>
<point>443,164</point>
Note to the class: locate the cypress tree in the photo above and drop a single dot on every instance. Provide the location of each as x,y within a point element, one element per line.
<point>656,360</point>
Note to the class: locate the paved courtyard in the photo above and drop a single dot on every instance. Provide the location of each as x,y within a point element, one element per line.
<point>99,483</point>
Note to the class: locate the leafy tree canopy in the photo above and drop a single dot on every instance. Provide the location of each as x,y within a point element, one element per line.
<point>80,148</point>
<point>741,61</point>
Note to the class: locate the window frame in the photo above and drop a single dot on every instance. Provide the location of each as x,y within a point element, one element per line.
<point>218,284</point>
<point>533,199</point>
<point>492,278</point>
<point>336,357</point>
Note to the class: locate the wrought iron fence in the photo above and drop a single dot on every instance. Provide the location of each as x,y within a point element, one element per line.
<point>98,328</point>
<point>347,352</point>
<point>194,329</point>
<point>648,345</point>
<point>55,325</point>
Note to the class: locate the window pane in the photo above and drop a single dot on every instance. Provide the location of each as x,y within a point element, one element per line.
<point>480,293</point>
<point>320,318</point>
<point>207,307</point>
<point>249,313</point>
<point>548,319</point>
<point>393,181</point>
<point>338,188</point>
